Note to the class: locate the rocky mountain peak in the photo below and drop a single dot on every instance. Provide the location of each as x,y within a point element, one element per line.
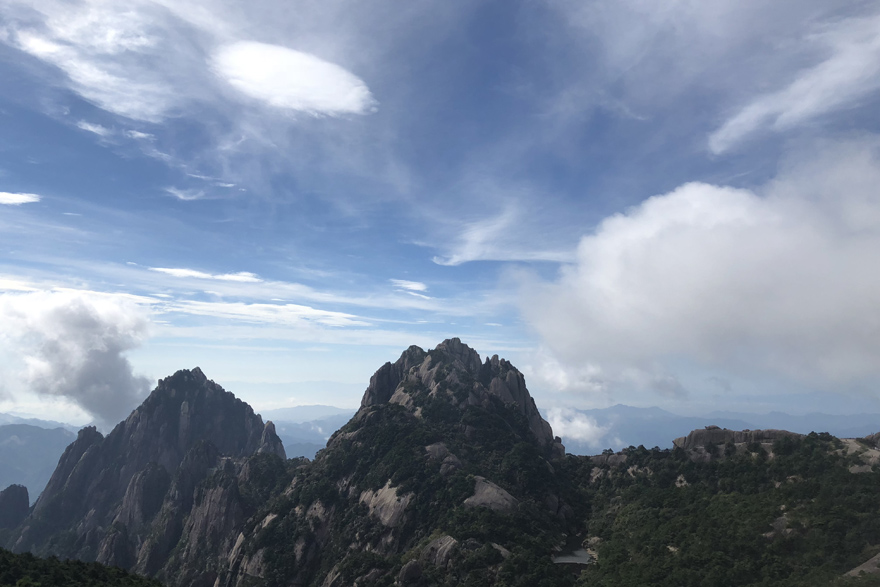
<point>455,372</point>
<point>121,498</point>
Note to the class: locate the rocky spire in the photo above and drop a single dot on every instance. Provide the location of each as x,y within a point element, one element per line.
<point>453,365</point>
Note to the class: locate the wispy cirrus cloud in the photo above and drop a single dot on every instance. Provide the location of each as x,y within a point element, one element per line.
<point>241,276</point>
<point>409,285</point>
<point>851,71</point>
<point>97,129</point>
<point>270,314</point>
<point>186,195</point>
<point>17,199</point>
<point>506,236</point>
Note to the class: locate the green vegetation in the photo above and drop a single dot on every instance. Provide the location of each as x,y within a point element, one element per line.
<point>797,519</point>
<point>26,570</point>
<point>389,443</point>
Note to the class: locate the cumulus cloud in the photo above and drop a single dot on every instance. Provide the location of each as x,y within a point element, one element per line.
<point>292,80</point>
<point>779,281</point>
<point>241,276</point>
<point>73,344</point>
<point>15,199</point>
<point>573,425</point>
<point>851,71</point>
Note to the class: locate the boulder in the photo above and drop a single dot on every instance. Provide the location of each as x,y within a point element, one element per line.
<point>488,495</point>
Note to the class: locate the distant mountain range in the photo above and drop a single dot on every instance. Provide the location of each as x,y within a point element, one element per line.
<point>29,454</point>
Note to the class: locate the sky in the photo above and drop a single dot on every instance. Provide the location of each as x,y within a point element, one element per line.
<point>650,203</point>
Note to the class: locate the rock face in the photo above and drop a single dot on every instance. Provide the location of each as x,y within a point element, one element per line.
<point>14,506</point>
<point>450,365</point>
<point>488,495</point>
<point>128,499</point>
<point>716,435</point>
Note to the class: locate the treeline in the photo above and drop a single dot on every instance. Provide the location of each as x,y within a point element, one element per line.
<point>26,570</point>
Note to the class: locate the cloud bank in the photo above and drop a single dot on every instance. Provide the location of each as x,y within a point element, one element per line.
<point>73,344</point>
<point>779,281</point>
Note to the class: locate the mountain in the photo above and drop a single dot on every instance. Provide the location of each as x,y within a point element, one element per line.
<point>448,475</point>
<point>447,461</point>
<point>29,454</point>
<point>163,487</point>
<point>47,424</point>
<point>446,472</point>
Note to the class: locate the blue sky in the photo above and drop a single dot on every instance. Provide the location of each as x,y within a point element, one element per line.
<point>652,203</point>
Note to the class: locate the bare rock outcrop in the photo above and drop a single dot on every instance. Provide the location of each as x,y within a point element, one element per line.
<point>439,551</point>
<point>715,435</point>
<point>453,364</point>
<point>384,504</point>
<point>488,495</point>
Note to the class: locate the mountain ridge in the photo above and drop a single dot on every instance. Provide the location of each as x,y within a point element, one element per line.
<point>446,475</point>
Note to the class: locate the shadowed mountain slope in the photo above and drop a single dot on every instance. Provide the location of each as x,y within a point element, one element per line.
<point>127,498</point>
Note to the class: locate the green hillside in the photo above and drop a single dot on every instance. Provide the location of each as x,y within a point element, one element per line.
<point>26,570</point>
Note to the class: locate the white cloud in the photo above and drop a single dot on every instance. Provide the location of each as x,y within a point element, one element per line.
<point>72,344</point>
<point>139,136</point>
<point>241,276</point>
<point>100,51</point>
<point>739,67</point>
<point>15,199</point>
<point>293,80</point>
<point>851,72</point>
<point>99,130</point>
<point>780,282</point>
<point>574,425</point>
<point>502,237</point>
<point>409,285</point>
<point>186,195</point>
<point>272,314</point>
